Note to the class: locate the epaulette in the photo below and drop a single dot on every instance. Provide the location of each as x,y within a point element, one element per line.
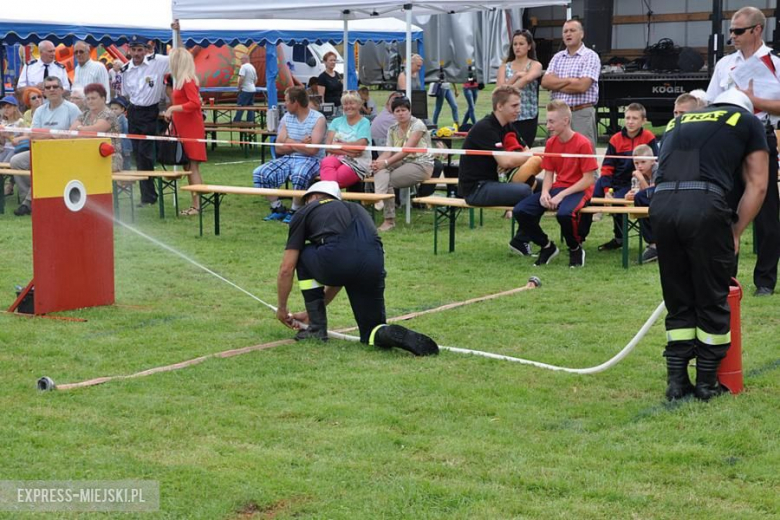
<point>59,64</point>
<point>151,57</point>
<point>32,62</point>
<point>125,66</point>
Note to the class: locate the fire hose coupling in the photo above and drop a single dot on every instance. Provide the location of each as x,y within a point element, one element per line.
<point>46,384</point>
<point>536,281</point>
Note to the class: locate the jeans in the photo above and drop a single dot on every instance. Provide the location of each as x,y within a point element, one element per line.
<point>245,99</point>
<point>450,96</point>
<point>471,98</point>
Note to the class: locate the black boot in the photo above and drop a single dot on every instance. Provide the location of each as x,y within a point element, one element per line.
<point>678,383</point>
<point>318,322</point>
<point>388,336</point>
<point>707,385</point>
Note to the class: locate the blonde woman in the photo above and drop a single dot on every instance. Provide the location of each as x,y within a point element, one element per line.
<point>417,81</point>
<point>348,166</point>
<point>185,111</point>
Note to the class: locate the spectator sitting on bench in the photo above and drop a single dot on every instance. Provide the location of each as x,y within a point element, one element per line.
<point>383,121</point>
<point>348,167</point>
<point>300,164</point>
<point>617,173</point>
<point>567,187</point>
<point>402,169</point>
<point>498,180</point>
<point>684,103</point>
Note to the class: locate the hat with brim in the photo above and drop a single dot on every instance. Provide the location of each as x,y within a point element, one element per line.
<point>119,100</point>
<point>9,100</point>
<point>330,188</point>
<point>137,41</point>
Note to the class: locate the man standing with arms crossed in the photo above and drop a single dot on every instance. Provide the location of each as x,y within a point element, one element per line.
<point>747,28</point>
<point>573,77</point>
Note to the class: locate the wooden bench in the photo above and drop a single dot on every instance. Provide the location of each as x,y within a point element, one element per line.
<point>449,208</point>
<point>212,195</point>
<point>167,182</point>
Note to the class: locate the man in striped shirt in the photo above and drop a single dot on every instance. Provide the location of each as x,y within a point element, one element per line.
<point>88,70</point>
<point>573,77</point>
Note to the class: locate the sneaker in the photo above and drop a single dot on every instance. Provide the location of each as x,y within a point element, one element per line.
<point>520,248</point>
<point>577,257</point>
<point>288,217</point>
<point>22,210</point>
<point>650,254</point>
<point>546,254</point>
<point>277,213</point>
<point>611,245</point>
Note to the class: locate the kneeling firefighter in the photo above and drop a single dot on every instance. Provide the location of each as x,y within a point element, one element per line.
<point>334,244</point>
<point>702,156</point>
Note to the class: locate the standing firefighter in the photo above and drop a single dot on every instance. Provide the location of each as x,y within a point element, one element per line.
<point>703,155</point>
<point>343,250</point>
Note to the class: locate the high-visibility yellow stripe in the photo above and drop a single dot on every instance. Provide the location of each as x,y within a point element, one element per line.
<point>708,338</point>
<point>307,285</point>
<point>733,119</point>
<point>670,125</point>
<point>373,332</point>
<point>56,162</point>
<point>680,334</point>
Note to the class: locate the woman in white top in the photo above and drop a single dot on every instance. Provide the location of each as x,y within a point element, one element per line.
<point>522,71</point>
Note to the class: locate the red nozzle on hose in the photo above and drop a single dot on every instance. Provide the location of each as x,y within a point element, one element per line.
<point>106,149</point>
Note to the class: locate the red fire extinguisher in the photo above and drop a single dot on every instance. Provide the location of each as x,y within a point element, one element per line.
<point>730,371</point>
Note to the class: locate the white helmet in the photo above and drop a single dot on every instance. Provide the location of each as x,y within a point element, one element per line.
<point>734,97</point>
<point>327,187</point>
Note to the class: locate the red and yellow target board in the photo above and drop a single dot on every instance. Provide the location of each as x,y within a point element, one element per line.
<point>72,221</point>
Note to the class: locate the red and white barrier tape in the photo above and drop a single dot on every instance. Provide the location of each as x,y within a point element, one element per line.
<point>356,148</point>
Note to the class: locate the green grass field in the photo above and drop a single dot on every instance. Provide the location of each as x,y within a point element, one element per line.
<point>344,431</point>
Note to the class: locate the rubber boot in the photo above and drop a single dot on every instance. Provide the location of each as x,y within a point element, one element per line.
<point>678,382</point>
<point>707,385</point>
<point>388,336</point>
<point>318,322</point>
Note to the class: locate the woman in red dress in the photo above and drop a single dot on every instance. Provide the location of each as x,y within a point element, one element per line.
<point>187,117</point>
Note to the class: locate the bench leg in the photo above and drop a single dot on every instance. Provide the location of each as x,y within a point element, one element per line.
<point>217,201</point>
<point>471,218</point>
<point>160,197</point>
<point>625,241</point>
<point>453,215</point>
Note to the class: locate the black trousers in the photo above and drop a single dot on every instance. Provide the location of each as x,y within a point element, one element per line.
<point>696,259</point>
<point>768,225</point>
<point>353,260</point>
<point>143,120</point>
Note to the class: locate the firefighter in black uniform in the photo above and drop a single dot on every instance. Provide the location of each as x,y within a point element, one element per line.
<point>703,155</point>
<point>343,250</point>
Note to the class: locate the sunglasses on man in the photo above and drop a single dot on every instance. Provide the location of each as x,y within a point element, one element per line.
<point>739,31</point>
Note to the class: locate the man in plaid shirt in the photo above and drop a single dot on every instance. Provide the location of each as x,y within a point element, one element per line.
<point>573,77</point>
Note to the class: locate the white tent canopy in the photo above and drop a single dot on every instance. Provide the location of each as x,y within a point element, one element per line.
<point>338,9</point>
<point>341,10</point>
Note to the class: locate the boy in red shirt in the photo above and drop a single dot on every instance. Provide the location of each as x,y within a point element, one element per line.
<point>567,187</point>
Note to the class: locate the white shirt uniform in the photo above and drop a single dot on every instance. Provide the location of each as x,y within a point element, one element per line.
<point>92,72</point>
<point>32,74</point>
<point>248,78</point>
<point>722,80</point>
<point>144,84</point>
